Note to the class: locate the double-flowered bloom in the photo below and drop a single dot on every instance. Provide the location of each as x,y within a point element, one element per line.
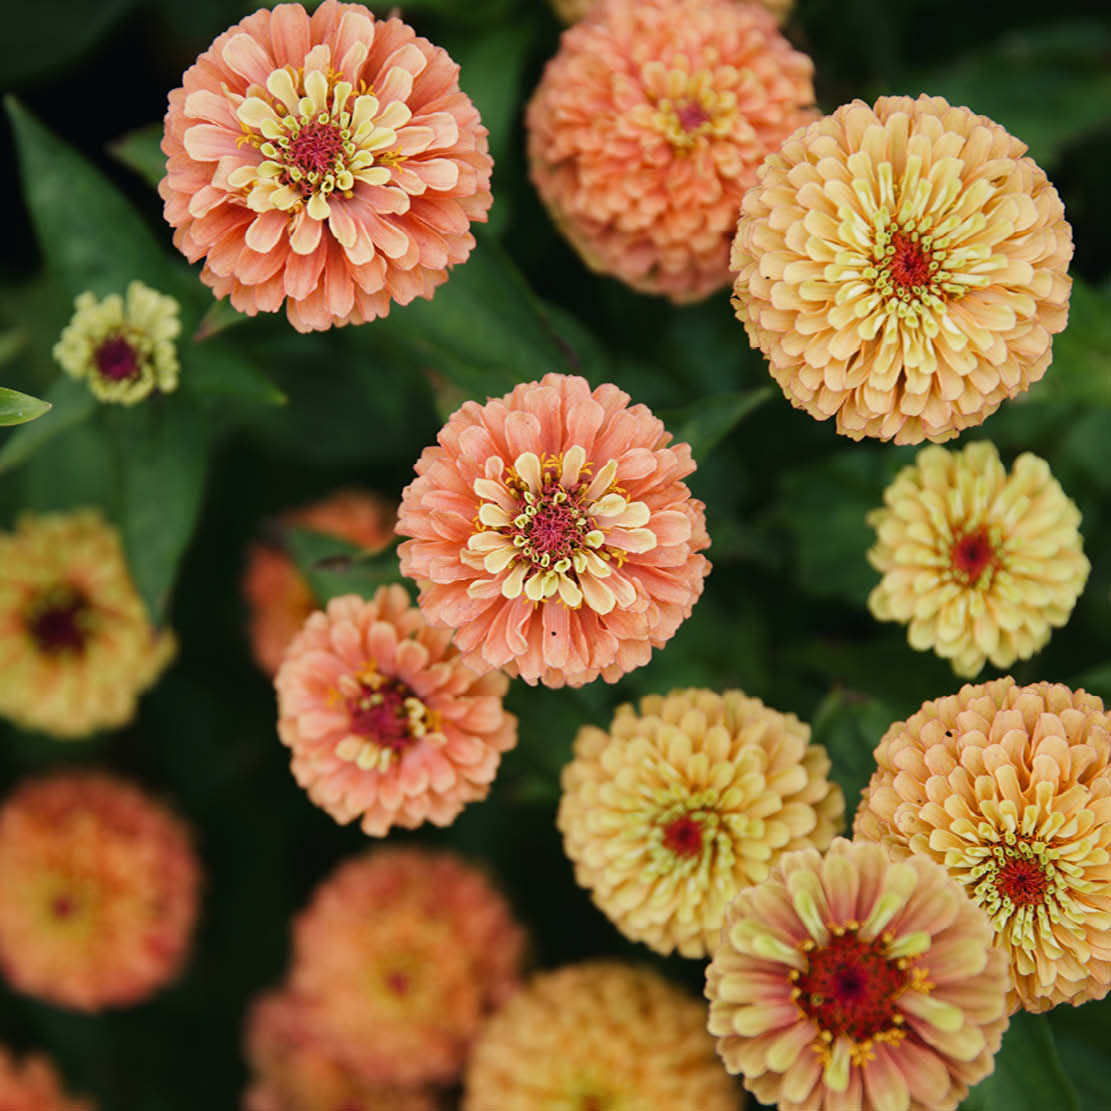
<point>328,162</point>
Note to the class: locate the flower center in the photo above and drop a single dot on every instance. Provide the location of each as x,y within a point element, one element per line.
<point>909,266</point>
<point>116,360</point>
<point>1023,881</point>
<point>397,981</point>
<point>688,106</point>
<point>683,836</point>
<point>388,715</point>
<point>315,147</point>
<point>691,116</point>
<point>972,555</point>
<point>851,986</point>
<point>58,620</point>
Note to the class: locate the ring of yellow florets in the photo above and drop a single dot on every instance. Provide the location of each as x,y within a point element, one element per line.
<point>692,109</point>
<point>318,135</point>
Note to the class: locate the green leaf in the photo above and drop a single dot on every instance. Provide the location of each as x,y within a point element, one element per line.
<point>483,328</point>
<point>1047,85</point>
<point>1081,367</point>
<point>1082,1035</point>
<point>333,566</point>
<point>70,403</point>
<point>218,370</point>
<point>850,725</point>
<point>163,447</point>
<point>91,237</point>
<point>706,422</point>
<point>141,151</point>
<point>19,408</point>
<point>218,317</point>
<point>1028,1075</point>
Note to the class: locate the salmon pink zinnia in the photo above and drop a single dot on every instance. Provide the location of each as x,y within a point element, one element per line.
<point>552,530</point>
<point>32,1084</point>
<point>330,162</point>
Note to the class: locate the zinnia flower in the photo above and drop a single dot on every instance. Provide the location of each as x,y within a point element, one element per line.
<point>401,956</point>
<point>1009,788</point>
<point>679,806</point>
<point>647,128</point>
<point>902,267</point>
<point>384,718</point>
<point>33,1085</point>
<point>278,597</point>
<point>100,891</point>
<point>124,350</point>
<point>76,645</point>
<point>572,10</point>
<point>328,162</point>
<point>296,1072</point>
<point>981,564</point>
<point>855,983</point>
<point>598,1035</point>
<point>553,531</point>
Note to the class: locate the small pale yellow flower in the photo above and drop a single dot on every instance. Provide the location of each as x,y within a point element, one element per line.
<point>123,347</point>
<point>674,810</point>
<point>982,564</point>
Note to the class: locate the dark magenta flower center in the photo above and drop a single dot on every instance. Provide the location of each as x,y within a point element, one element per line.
<point>116,360</point>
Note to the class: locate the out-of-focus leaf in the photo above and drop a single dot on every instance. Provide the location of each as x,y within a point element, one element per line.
<point>332,566</point>
<point>46,34</point>
<point>19,408</point>
<point>583,352</point>
<point>90,235</point>
<point>850,726</point>
<point>1047,85</point>
<point>70,403</point>
<point>1028,1072</point>
<point>141,151</point>
<point>483,329</point>
<point>218,317</point>
<point>1081,367</point>
<point>1082,1035</point>
<point>1095,680</point>
<point>12,342</point>
<point>219,370</point>
<point>164,451</point>
<point>706,422</point>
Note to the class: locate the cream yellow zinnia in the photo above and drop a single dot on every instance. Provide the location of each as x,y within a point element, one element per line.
<point>679,806</point>
<point>980,563</point>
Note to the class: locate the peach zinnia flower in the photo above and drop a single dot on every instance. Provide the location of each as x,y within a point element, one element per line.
<point>401,956</point>
<point>100,891</point>
<point>572,10</point>
<point>598,1035</point>
<point>855,982</point>
<point>33,1085</point>
<point>553,531</point>
<point>296,1073</point>
<point>1009,788</point>
<point>329,162</point>
<point>680,805</point>
<point>903,268</point>
<point>647,128</point>
<point>76,645</point>
<point>981,564</point>
<point>384,718</point>
<point>279,598</point>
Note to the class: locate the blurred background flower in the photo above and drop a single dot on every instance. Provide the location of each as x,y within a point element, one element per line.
<point>32,1084</point>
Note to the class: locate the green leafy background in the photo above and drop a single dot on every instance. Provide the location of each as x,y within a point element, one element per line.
<point>266,419</point>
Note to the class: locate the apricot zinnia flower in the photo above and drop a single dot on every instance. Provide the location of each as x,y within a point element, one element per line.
<point>100,891</point>
<point>553,531</point>
<point>598,1035</point>
<point>402,955</point>
<point>1009,788</point>
<point>855,982</point>
<point>279,598</point>
<point>76,645</point>
<point>296,1072</point>
<point>902,267</point>
<point>330,162</point>
<point>123,349</point>
<point>680,805</point>
<point>571,10</point>
<point>33,1085</point>
<point>384,718</point>
<point>981,564</point>
<point>647,128</point>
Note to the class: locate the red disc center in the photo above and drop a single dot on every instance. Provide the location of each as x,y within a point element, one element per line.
<point>397,982</point>
<point>57,621</point>
<point>850,988</point>
<point>683,836</point>
<point>1023,881</point>
<point>381,715</point>
<point>315,148</point>
<point>62,906</point>
<point>692,116</point>
<point>972,555</point>
<point>910,264</point>
<point>116,360</point>
<point>553,531</point>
